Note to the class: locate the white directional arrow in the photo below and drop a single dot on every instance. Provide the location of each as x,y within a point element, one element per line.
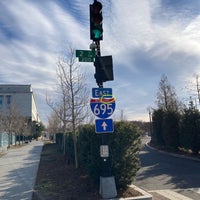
<point>104,125</point>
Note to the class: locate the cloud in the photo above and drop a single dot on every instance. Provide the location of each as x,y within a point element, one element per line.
<point>146,38</point>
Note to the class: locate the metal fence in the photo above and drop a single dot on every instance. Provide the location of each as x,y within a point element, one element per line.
<point>4,140</point>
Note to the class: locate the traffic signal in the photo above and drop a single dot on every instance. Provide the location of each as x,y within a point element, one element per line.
<point>96,18</point>
<point>103,69</point>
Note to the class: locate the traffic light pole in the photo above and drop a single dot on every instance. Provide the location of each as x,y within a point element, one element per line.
<point>104,136</point>
<point>103,68</point>
<point>107,181</point>
<point>97,43</point>
<point>98,54</point>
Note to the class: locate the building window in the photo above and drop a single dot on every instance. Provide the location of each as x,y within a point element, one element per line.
<point>8,99</point>
<point>1,100</point>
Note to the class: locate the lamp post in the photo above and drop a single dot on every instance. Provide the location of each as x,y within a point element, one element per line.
<point>37,125</point>
<point>149,109</point>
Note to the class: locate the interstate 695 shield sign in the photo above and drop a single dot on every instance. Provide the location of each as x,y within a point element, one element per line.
<point>102,107</point>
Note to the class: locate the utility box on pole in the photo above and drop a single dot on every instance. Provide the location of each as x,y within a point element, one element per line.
<point>103,68</point>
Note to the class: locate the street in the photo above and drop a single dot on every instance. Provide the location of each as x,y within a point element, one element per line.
<point>18,170</point>
<point>163,173</point>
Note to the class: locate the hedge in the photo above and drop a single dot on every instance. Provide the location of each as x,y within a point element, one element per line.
<point>124,146</point>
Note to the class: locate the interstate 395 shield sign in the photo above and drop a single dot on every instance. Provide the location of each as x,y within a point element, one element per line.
<point>102,107</point>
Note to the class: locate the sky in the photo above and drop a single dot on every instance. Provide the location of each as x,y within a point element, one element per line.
<point>146,38</point>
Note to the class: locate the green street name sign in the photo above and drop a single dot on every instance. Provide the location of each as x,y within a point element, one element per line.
<point>85,55</point>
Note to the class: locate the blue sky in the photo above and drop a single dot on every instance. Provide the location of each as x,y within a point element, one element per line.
<point>147,38</point>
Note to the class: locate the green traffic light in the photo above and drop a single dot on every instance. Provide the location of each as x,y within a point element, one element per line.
<point>97,33</point>
<point>96,18</point>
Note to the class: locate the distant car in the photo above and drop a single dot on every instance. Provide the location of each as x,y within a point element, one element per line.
<point>26,141</point>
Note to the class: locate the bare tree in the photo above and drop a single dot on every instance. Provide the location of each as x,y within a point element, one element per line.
<point>1,121</point>
<point>166,96</point>
<point>73,106</point>
<point>54,124</point>
<point>21,127</point>
<point>198,87</point>
<point>12,122</point>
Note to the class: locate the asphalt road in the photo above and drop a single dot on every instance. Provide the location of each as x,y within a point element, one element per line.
<point>18,170</point>
<point>165,172</point>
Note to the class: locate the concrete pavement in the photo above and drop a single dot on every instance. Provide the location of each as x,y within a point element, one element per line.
<point>18,171</point>
<point>168,176</point>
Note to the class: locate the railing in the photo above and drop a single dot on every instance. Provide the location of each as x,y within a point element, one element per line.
<point>4,140</point>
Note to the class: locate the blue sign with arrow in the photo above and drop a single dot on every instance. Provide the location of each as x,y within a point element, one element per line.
<point>104,126</point>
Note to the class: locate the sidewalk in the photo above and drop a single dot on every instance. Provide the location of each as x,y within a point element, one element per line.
<point>18,170</point>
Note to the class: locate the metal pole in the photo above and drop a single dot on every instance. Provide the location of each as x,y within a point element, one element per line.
<point>98,54</point>
<point>104,137</point>
<point>107,182</point>
<point>198,90</point>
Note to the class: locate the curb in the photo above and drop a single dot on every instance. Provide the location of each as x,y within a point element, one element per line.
<point>144,196</point>
<point>173,154</point>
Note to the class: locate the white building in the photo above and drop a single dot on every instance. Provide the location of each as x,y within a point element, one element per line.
<point>20,96</point>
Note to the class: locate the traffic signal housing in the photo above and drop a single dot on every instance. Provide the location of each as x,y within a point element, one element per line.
<point>96,18</point>
<point>103,69</point>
